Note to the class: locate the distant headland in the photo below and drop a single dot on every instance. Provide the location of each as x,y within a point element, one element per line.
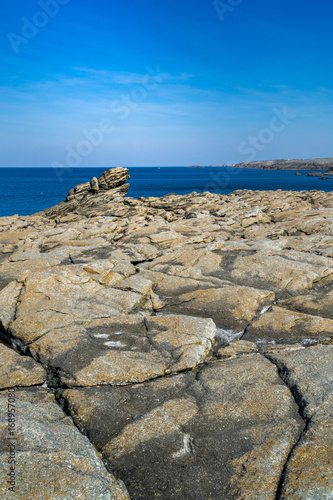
<point>314,164</point>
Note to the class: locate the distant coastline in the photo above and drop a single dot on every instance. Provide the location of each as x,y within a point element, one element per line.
<point>314,164</point>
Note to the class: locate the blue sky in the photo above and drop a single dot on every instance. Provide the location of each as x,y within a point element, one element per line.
<point>100,83</point>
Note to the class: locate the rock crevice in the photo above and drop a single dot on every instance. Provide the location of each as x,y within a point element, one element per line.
<point>300,403</point>
<point>309,375</point>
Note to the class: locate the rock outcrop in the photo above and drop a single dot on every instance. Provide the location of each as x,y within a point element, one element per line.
<point>315,164</point>
<point>109,187</point>
<point>180,345</point>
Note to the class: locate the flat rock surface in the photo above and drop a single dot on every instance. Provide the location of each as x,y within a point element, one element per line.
<point>64,298</point>
<point>188,337</point>
<point>203,435</point>
<point>230,306</point>
<point>280,325</point>
<point>16,370</point>
<point>52,458</point>
<point>125,349</point>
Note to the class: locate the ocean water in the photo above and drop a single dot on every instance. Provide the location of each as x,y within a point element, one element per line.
<point>24,191</point>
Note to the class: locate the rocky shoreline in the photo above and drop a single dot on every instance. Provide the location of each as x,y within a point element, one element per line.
<point>169,348</point>
<point>314,164</point>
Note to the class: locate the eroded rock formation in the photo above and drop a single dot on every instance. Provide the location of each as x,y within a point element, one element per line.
<point>109,187</point>
<point>188,339</point>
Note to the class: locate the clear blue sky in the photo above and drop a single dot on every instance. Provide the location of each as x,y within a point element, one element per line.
<point>225,76</point>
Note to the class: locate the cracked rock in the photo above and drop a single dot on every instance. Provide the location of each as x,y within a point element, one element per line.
<point>53,460</point>
<point>116,300</point>
<point>230,306</point>
<point>57,300</point>
<point>222,433</point>
<point>280,325</point>
<point>125,349</point>
<point>16,370</point>
<point>309,470</point>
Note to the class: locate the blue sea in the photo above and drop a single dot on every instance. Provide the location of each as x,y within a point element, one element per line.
<point>24,191</point>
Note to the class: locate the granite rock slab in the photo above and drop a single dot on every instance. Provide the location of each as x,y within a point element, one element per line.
<point>222,432</point>
<point>53,459</point>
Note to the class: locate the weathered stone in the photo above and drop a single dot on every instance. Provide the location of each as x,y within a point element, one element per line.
<point>139,252</point>
<point>110,186</point>
<point>99,269</point>
<point>188,436</point>
<point>277,272</point>
<point>316,304</point>
<point>309,372</point>
<point>202,259</point>
<point>79,191</point>
<point>166,285</point>
<point>281,325</point>
<point>237,348</point>
<point>163,420</point>
<point>136,283</point>
<point>20,265</point>
<point>255,217</point>
<point>19,371</point>
<point>94,185</point>
<point>53,460</point>
<point>165,237</point>
<point>91,285</point>
<point>229,307</point>
<point>125,349</point>
<point>56,300</point>
<point>8,303</point>
<point>113,178</point>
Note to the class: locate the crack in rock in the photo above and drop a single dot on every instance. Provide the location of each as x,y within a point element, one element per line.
<point>301,404</point>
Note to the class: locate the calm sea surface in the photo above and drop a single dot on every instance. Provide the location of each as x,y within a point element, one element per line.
<point>24,191</point>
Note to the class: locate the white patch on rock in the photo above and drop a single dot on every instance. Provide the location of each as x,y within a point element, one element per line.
<point>229,335</point>
<point>114,343</point>
<point>101,335</point>
<point>265,341</point>
<point>186,449</point>
<point>265,309</point>
<point>308,342</point>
